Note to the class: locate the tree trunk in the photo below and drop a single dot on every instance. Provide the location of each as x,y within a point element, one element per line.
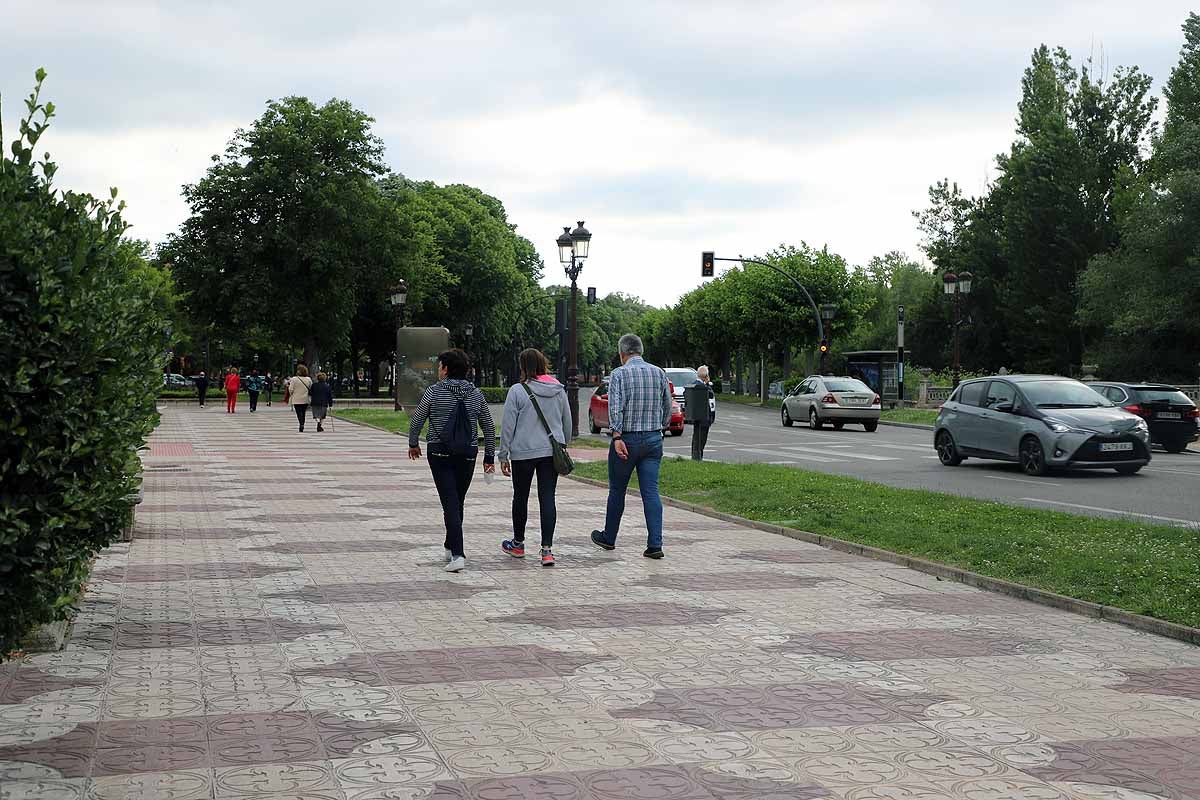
<point>311,355</point>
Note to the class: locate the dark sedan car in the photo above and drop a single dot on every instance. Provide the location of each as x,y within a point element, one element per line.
<point>1172,416</point>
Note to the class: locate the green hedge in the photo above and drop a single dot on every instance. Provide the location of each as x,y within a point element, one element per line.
<point>83,338</point>
<point>494,394</point>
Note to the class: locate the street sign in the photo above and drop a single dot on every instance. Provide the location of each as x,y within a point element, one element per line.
<point>706,264</point>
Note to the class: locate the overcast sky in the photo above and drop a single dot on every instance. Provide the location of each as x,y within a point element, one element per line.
<point>669,127</point>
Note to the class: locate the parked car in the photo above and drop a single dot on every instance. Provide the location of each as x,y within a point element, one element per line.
<point>175,381</point>
<point>598,412</point>
<point>1173,418</point>
<point>1042,422</point>
<point>826,398</point>
<point>681,378</point>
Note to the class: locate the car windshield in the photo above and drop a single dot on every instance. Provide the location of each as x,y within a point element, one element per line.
<point>682,377</point>
<point>1063,394</point>
<point>845,385</point>
<point>1156,395</point>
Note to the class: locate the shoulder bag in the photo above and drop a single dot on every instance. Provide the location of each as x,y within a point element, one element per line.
<point>563,463</point>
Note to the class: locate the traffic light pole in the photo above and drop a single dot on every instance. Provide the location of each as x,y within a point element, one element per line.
<point>800,286</point>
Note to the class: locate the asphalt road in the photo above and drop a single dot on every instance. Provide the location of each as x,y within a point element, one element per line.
<point>1166,491</point>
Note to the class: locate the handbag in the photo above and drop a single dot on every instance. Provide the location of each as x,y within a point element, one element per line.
<point>563,463</point>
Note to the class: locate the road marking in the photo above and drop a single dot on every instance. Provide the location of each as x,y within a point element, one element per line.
<point>1116,511</point>
<point>863,456</point>
<point>1023,480</point>
<point>1172,471</point>
<point>920,448</point>
<point>819,459</point>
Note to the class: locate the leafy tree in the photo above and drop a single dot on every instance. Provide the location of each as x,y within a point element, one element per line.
<point>1145,295</point>
<point>288,229</point>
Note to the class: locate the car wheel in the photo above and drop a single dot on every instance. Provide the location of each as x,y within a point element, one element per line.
<point>1175,447</point>
<point>946,449</point>
<point>837,426</point>
<point>1032,457</point>
<point>1128,469</point>
<point>677,433</point>
<point>814,420</point>
<point>785,417</point>
<point>592,423</point>
<point>871,426</point>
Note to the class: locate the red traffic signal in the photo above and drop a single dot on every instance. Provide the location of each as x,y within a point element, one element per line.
<point>706,265</point>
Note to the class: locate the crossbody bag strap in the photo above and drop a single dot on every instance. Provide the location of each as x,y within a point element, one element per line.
<point>538,409</point>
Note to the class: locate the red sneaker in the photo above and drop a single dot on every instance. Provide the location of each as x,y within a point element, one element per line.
<point>547,558</point>
<point>513,548</point>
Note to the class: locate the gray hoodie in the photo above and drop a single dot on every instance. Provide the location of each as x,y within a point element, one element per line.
<point>522,436</point>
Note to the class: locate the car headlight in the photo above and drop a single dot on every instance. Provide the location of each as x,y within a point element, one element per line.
<point>1141,426</point>
<point>1062,427</point>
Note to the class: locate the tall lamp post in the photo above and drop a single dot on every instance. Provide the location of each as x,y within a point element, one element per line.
<point>572,251</point>
<point>956,286</point>
<point>399,299</point>
<point>828,312</point>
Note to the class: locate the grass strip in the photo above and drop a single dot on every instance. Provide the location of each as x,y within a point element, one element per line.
<point>1143,568</point>
<point>385,419</point>
<point>916,416</point>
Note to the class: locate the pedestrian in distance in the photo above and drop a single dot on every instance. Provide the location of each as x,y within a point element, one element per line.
<point>639,409</point>
<point>321,399</point>
<point>700,427</point>
<point>269,386</point>
<point>299,392</point>
<point>535,411</point>
<point>254,385</point>
<point>233,384</point>
<point>202,387</point>
<point>455,410</point>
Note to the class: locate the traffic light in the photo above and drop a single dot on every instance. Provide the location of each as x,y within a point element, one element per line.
<point>824,346</point>
<point>560,316</point>
<point>591,297</point>
<point>706,265</point>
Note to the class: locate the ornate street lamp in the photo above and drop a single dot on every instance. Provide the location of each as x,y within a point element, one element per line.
<point>399,300</point>
<point>956,286</point>
<point>572,250</point>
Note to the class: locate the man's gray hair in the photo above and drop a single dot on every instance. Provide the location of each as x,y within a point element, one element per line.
<point>702,371</point>
<point>630,345</point>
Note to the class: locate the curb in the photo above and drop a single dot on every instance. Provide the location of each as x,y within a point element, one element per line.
<point>1140,622</point>
<point>915,425</point>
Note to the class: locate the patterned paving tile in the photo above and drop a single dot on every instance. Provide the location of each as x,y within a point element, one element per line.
<point>245,648</point>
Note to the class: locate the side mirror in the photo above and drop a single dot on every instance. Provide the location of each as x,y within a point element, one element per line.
<point>1004,408</point>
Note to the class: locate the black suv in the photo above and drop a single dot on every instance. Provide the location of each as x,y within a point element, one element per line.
<point>1170,413</point>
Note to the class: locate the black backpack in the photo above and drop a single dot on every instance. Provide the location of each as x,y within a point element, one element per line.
<point>458,437</point>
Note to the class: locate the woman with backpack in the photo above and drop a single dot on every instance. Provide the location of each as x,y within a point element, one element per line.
<point>455,409</point>
<point>535,411</point>
<point>299,394</point>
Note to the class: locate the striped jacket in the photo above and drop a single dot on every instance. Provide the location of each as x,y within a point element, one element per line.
<point>439,402</point>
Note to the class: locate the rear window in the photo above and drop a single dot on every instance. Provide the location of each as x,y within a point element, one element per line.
<point>845,385</point>
<point>971,393</point>
<point>1173,396</point>
<point>682,377</point>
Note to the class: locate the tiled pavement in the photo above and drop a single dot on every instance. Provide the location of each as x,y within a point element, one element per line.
<point>281,627</point>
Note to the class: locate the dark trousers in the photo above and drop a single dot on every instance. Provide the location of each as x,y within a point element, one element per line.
<point>268,397</point>
<point>547,479</point>
<point>253,400</point>
<point>699,439</point>
<point>452,477</point>
<point>203,395</point>
<point>300,412</point>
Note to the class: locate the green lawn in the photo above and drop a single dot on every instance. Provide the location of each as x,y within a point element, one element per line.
<point>919,416</point>
<point>1147,569</point>
<point>397,422</point>
<point>382,418</point>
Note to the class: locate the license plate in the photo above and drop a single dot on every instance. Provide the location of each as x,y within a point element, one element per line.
<point>1112,447</point>
<point>854,401</point>
<point>1168,415</point>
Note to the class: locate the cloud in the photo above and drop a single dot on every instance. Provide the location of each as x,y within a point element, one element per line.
<point>670,126</point>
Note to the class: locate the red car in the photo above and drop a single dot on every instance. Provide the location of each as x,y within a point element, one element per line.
<point>598,411</point>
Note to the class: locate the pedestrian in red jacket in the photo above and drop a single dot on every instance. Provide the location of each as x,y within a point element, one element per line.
<point>232,384</point>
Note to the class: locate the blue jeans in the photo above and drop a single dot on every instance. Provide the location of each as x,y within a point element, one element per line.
<point>645,456</point>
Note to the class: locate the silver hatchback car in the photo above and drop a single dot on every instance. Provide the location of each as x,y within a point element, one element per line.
<point>1041,422</point>
<point>825,398</point>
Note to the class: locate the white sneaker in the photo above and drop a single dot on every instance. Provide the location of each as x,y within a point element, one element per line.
<point>456,564</point>
<point>449,555</point>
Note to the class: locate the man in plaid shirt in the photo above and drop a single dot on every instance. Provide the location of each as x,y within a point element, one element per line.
<point>639,408</point>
